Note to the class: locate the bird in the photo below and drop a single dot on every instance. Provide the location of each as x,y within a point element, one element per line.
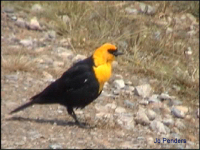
<point>80,85</point>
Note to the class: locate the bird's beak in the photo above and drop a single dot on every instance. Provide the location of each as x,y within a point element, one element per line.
<point>116,53</point>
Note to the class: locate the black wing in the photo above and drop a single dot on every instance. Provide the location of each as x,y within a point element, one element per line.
<point>76,87</point>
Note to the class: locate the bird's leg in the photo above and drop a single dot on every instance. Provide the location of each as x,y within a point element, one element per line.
<point>72,113</point>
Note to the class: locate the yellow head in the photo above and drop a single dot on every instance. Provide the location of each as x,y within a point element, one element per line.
<point>105,54</point>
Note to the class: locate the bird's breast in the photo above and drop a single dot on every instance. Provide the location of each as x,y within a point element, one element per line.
<point>102,73</point>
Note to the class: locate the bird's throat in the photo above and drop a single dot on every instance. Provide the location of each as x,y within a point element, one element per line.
<point>103,73</point>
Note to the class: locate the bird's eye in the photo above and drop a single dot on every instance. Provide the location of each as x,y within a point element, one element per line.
<point>112,51</point>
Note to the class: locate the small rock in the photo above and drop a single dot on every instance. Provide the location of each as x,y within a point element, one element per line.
<point>9,10</point>
<point>129,88</point>
<point>131,10</point>
<point>119,84</point>
<point>106,85</point>
<point>141,118</point>
<point>151,10</point>
<point>58,63</point>
<point>50,35</point>
<point>198,113</point>
<point>153,99</point>
<point>128,83</point>
<point>129,104</point>
<point>101,108</point>
<point>36,8</point>
<point>143,90</point>
<point>104,116</point>
<point>125,121</point>
<point>182,108</point>
<point>48,76</point>
<point>118,76</point>
<point>34,24</point>
<point>169,30</point>
<point>78,58</point>
<point>120,110</point>
<point>14,18</point>
<point>143,102</point>
<point>66,19</point>
<point>164,96</point>
<point>111,106</point>
<point>67,55</point>
<point>151,114</point>
<point>21,23</point>
<point>180,125</point>
<point>177,113</point>
<point>158,126</point>
<point>55,146</point>
<point>26,42</point>
<point>114,64</point>
<point>168,121</point>
<point>150,141</point>
<point>116,92</point>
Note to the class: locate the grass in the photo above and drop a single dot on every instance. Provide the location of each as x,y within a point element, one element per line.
<point>94,23</point>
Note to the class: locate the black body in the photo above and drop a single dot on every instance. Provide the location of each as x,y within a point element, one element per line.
<point>76,88</point>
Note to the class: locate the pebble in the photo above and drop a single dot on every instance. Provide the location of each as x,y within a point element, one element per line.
<point>66,19</point>
<point>125,121</point>
<point>129,104</point>
<point>58,64</point>
<point>55,146</point>
<point>21,23</point>
<point>9,10</point>
<point>158,126</point>
<point>111,106</point>
<point>101,108</point>
<point>184,109</point>
<point>143,102</point>
<point>34,24</point>
<point>179,111</point>
<point>151,114</point>
<point>118,76</point>
<point>47,76</point>
<point>131,10</point>
<point>116,92</point>
<point>51,34</point>
<point>164,96</point>
<point>153,99</point>
<point>119,84</point>
<point>169,30</point>
<point>26,42</point>
<point>197,113</point>
<point>168,121</point>
<point>36,8</point>
<point>141,118</point>
<point>128,83</point>
<point>143,90</point>
<point>67,55</point>
<point>120,110</point>
<point>114,64</point>
<point>78,58</point>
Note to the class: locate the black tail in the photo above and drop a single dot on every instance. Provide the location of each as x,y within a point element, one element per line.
<point>22,107</point>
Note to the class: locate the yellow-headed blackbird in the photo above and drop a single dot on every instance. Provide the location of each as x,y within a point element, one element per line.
<point>79,85</point>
